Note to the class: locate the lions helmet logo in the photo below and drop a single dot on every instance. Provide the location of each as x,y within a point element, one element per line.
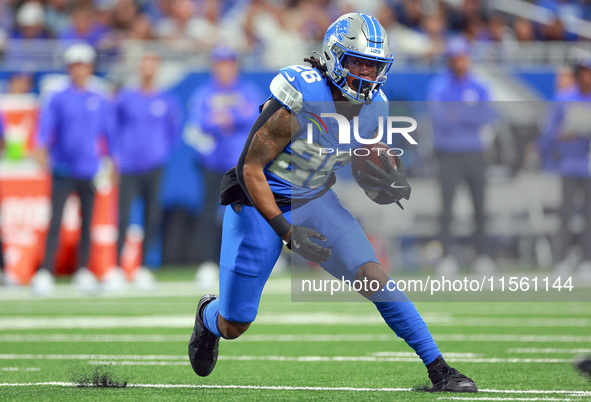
<point>338,29</point>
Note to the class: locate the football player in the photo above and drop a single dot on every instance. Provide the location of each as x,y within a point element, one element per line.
<point>280,193</point>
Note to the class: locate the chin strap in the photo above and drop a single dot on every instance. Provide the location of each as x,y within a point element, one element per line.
<point>367,97</point>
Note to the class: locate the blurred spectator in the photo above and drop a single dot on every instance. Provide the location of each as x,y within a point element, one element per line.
<point>181,23</point>
<point>434,31</point>
<point>6,16</point>
<point>72,123</point>
<point>141,29</point>
<point>57,15</point>
<point>124,14</point>
<point>460,109</point>
<point>337,8</point>
<point>567,16</point>
<point>148,123</point>
<point>523,30</point>
<point>474,28</point>
<point>567,135</point>
<point>30,20</point>
<point>267,33</point>
<point>554,30</point>
<point>212,27</point>
<point>20,83</point>
<point>308,18</point>
<point>84,28</point>
<point>410,13</point>
<point>534,157</point>
<point>402,39</point>
<point>565,80</point>
<point>156,9</point>
<point>223,109</point>
<point>203,24</point>
<point>496,31</point>
<point>472,8</point>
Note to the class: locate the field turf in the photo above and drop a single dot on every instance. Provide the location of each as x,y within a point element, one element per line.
<point>294,351</point>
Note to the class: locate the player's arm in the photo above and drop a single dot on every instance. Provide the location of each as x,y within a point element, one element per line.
<point>267,143</point>
<point>270,134</point>
<point>49,124</point>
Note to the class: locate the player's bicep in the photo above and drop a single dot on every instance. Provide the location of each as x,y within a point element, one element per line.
<point>271,138</point>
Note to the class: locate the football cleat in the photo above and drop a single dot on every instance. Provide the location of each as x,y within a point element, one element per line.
<point>203,346</point>
<point>584,365</point>
<point>448,379</point>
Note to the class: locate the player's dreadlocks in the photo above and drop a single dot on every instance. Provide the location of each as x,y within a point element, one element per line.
<point>317,64</point>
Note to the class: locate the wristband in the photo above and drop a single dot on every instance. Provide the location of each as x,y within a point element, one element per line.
<point>280,225</point>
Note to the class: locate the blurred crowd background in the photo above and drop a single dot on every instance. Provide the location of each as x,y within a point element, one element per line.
<point>275,32</point>
<point>214,61</point>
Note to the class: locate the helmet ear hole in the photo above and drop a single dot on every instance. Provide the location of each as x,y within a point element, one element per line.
<point>327,56</point>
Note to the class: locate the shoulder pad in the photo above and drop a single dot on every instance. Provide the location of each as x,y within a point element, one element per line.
<point>286,93</point>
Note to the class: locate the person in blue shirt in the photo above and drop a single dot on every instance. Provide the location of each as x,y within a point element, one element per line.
<point>147,127</point>
<point>84,28</point>
<point>572,150</point>
<point>222,110</point>
<point>280,193</point>
<point>72,125</point>
<point>460,110</point>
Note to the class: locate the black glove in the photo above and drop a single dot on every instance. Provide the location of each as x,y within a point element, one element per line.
<point>391,182</point>
<point>299,241</point>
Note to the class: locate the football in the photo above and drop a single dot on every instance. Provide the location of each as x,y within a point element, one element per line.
<point>370,153</point>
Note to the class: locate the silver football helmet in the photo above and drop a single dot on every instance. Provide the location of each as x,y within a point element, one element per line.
<point>351,40</point>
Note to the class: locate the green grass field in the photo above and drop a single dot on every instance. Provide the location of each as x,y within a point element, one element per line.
<point>294,351</point>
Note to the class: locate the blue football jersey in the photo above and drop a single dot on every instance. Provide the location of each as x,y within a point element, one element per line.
<point>304,167</point>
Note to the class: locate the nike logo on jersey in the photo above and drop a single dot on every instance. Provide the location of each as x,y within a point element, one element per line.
<point>295,244</point>
<point>393,185</point>
<point>290,78</point>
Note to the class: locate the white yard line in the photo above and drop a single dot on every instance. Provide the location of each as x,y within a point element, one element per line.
<point>549,350</point>
<point>413,354</point>
<point>163,290</point>
<point>67,338</point>
<point>513,338</point>
<point>90,357</point>
<point>137,359</point>
<point>140,338</point>
<point>463,398</point>
<point>291,388</point>
<point>186,321</point>
<point>337,359</point>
